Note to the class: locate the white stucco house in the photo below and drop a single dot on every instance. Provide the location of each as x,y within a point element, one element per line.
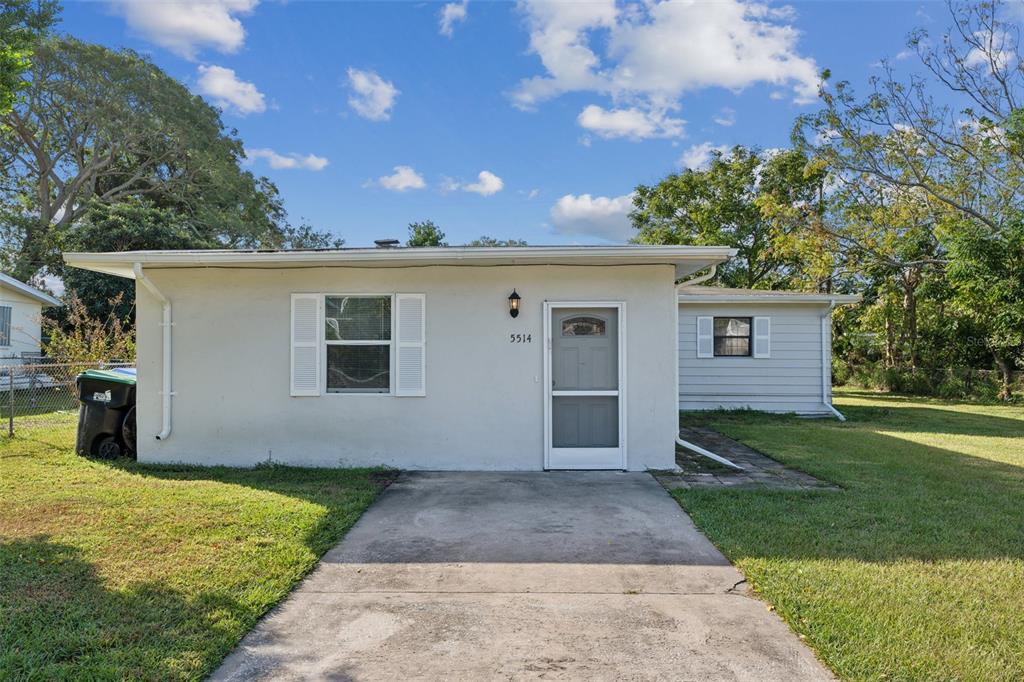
<point>21,311</point>
<point>522,358</point>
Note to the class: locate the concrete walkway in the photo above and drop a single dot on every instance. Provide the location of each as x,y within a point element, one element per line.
<point>482,576</point>
<point>759,471</point>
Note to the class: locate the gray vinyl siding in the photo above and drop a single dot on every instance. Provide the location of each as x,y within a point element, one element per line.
<point>788,381</point>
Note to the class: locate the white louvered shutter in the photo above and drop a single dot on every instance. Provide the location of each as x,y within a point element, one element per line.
<point>705,337</point>
<point>305,341</point>
<point>411,362</point>
<point>762,337</point>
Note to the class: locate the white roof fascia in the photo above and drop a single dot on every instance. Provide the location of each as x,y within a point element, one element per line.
<point>687,259</point>
<point>27,290</point>
<point>771,297</point>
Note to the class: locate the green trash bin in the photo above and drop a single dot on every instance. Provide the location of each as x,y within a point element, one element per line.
<point>107,407</point>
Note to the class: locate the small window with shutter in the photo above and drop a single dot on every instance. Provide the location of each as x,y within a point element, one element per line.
<point>357,333</point>
<point>367,344</point>
<point>732,336</point>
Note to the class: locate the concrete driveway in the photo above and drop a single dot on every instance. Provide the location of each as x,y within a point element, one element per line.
<point>480,576</point>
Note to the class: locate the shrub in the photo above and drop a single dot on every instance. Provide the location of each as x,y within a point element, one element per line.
<point>87,339</point>
<point>841,372</point>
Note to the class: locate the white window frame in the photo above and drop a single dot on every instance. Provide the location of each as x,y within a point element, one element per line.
<point>391,343</point>
<point>10,327</point>
<point>749,337</point>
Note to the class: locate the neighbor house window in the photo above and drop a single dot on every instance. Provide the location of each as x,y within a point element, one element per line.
<point>732,336</point>
<point>357,334</point>
<point>5,325</point>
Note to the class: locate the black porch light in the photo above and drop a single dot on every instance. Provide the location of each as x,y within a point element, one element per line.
<point>513,304</point>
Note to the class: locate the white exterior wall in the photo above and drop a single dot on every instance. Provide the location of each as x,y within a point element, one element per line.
<point>26,315</point>
<point>788,381</point>
<point>483,407</point>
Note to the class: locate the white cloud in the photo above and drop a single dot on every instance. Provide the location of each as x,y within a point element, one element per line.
<point>487,183</point>
<point>451,14</point>
<point>647,56</point>
<point>372,96</point>
<point>185,26</point>
<point>633,123</point>
<point>726,117</point>
<point>699,155</point>
<point>404,178</point>
<point>225,89</point>
<point>604,217</point>
<point>287,161</point>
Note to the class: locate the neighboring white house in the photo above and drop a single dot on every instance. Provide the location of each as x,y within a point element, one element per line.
<point>521,358</point>
<point>759,350</point>
<point>21,312</point>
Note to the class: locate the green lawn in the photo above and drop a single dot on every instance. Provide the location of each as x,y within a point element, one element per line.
<point>916,569</point>
<point>128,571</point>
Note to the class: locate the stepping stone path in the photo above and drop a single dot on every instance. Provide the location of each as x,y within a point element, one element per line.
<point>759,471</point>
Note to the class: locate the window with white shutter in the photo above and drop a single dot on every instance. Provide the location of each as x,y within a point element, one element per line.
<point>705,337</point>
<point>411,362</point>
<point>762,337</point>
<point>305,345</point>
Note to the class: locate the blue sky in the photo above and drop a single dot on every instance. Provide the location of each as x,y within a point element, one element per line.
<point>530,120</point>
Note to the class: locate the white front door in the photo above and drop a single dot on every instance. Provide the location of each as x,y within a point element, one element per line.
<point>584,407</point>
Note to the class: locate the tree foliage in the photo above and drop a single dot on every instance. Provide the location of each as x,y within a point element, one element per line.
<point>425,233</point>
<point>492,242</point>
<point>929,170</point>
<point>99,127</point>
<point>737,201</point>
<point>22,23</point>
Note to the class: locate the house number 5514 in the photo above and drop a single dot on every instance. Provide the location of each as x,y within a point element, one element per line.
<point>520,338</point>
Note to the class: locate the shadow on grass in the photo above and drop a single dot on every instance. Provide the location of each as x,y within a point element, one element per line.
<point>57,616</point>
<point>902,499</point>
<point>333,489</point>
<point>204,562</point>
<point>912,416</point>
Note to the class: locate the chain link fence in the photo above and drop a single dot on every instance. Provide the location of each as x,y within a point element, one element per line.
<point>42,397</point>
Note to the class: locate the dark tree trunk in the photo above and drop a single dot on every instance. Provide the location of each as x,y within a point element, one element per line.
<point>910,312</point>
<point>890,342</point>
<point>1006,377</point>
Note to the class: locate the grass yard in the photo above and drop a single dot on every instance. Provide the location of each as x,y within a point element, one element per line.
<point>915,570</point>
<point>118,570</point>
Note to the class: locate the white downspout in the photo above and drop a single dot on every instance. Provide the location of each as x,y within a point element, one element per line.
<point>165,325</point>
<point>679,441</point>
<point>826,359</point>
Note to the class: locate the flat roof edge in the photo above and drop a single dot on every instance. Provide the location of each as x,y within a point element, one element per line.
<point>788,297</point>
<point>29,290</point>
<point>120,263</point>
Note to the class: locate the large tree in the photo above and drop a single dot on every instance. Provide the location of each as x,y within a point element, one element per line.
<point>949,139</point>
<point>98,127</point>
<point>726,204</point>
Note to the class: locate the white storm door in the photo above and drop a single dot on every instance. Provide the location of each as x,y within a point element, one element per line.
<point>584,406</point>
